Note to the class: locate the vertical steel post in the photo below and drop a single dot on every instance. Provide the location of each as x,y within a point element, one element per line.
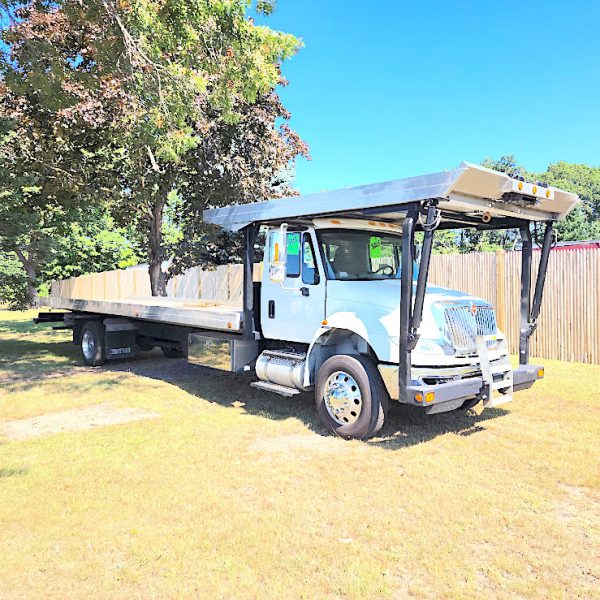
<point>423,273</point>
<point>525,295</point>
<point>248,331</point>
<point>541,276</point>
<point>406,289</point>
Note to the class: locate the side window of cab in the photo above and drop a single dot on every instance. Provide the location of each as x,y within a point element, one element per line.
<point>310,269</point>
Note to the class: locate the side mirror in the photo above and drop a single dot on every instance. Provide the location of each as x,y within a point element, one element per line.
<point>278,253</point>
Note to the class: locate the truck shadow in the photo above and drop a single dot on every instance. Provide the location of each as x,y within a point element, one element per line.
<point>405,425</point>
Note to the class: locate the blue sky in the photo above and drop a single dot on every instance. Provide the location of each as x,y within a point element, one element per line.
<point>389,89</point>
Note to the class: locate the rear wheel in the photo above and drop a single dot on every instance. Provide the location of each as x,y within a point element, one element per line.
<point>350,396</point>
<point>92,344</point>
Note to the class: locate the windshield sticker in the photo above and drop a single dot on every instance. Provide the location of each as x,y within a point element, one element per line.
<point>375,247</point>
<point>293,244</point>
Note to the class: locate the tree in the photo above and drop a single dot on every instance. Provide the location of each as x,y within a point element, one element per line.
<point>50,139</point>
<point>584,222</point>
<point>151,95</point>
<point>201,76</point>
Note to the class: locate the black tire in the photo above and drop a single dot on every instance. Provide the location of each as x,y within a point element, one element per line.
<point>374,399</point>
<point>92,344</point>
<point>173,351</point>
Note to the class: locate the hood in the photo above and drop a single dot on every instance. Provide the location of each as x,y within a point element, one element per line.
<point>386,293</point>
<point>372,309</point>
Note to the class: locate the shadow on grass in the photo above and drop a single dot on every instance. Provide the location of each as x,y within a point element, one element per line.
<point>25,363</point>
<point>405,425</point>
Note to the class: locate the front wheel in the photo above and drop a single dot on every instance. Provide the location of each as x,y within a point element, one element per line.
<point>350,396</point>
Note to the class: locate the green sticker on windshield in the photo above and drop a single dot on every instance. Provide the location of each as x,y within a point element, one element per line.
<point>375,247</point>
<point>293,244</point>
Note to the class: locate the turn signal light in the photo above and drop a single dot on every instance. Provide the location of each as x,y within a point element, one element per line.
<point>324,322</point>
<point>276,253</point>
<point>520,186</point>
<point>540,373</point>
<point>547,193</point>
<point>429,396</point>
<point>419,397</point>
<point>534,190</point>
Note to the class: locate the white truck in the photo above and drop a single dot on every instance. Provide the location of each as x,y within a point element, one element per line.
<point>343,306</point>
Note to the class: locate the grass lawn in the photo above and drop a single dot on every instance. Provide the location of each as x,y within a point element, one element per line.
<point>229,492</point>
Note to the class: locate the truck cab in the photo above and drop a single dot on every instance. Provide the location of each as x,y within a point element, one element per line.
<point>332,286</point>
<point>345,307</point>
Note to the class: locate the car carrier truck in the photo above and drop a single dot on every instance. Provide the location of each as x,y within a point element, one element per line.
<point>343,306</point>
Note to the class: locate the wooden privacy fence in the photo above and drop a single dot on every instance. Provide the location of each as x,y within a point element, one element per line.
<point>223,283</point>
<point>569,324</point>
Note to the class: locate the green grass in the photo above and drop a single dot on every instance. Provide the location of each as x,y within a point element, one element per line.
<point>233,493</point>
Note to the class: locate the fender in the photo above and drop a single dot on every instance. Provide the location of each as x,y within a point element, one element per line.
<point>345,333</point>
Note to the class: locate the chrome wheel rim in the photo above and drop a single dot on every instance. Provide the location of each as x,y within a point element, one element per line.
<point>342,397</point>
<point>88,344</point>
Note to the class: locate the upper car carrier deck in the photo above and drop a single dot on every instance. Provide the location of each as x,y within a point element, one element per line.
<point>464,195</point>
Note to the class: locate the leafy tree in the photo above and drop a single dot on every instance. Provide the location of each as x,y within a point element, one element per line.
<point>13,282</point>
<point>584,222</point>
<point>154,103</point>
<point>50,135</point>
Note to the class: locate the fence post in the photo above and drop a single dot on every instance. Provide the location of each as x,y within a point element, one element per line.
<point>501,289</point>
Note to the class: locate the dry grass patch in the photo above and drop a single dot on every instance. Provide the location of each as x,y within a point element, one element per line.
<point>235,493</point>
<point>77,419</point>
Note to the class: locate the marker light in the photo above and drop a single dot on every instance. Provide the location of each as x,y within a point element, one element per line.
<point>534,189</point>
<point>276,253</point>
<point>336,222</point>
<point>547,193</point>
<point>540,373</point>
<point>419,398</point>
<point>324,322</point>
<point>520,186</point>
<point>429,396</point>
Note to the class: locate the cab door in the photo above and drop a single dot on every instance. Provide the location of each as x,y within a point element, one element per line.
<point>293,310</point>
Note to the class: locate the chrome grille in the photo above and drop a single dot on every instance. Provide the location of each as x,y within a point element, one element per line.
<point>462,326</point>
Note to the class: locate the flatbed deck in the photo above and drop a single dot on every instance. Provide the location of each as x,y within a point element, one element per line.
<point>205,314</point>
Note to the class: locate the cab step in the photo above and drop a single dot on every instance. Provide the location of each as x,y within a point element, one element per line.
<point>282,390</point>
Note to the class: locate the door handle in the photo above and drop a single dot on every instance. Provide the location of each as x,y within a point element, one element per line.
<point>305,291</point>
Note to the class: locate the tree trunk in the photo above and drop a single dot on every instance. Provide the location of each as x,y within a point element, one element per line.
<point>31,271</point>
<point>156,250</point>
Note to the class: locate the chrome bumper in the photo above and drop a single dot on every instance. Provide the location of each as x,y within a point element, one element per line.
<point>451,395</point>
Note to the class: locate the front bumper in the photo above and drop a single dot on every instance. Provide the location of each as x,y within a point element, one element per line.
<point>451,395</point>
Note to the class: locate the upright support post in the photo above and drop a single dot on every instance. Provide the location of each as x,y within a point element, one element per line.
<point>525,295</point>
<point>406,289</point>
<point>541,276</point>
<point>423,273</point>
<point>248,291</point>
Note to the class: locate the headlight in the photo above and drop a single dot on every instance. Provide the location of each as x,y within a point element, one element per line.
<point>429,346</point>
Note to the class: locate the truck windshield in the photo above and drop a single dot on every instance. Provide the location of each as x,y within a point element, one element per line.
<point>356,255</point>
